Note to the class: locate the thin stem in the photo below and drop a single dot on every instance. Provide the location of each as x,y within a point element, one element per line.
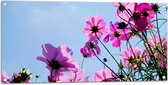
<point>129,43</point>
<point>141,74</point>
<point>82,62</point>
<point>161,52</point>
<point>155,61</point>
<point>162,24</point>
<point>120,48</point>
<point>138,42</point>
<point>111,55</point>
<point>159,19</point>
<point>107,49</point>
<point>147,72</point>
<point>104,66</point>
<point>152,34</point>
<point>158,30</point>
<point>103,63</point>
<point>35,79</point>
<point>146,40</point>
<point>126,10</point>
<point>148,48</point>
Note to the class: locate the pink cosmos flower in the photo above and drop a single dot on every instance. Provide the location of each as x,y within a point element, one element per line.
<point>124,10</point>
<point>105,76</point>
<point>118,32</point>
<point>131,58</point>
<point>91,44</point>
<point>145,10</point>
<point>5,77</point>
<point>141,17</point>
<point>58,59</point>
<point>95,24</point>
<point>77,76</point>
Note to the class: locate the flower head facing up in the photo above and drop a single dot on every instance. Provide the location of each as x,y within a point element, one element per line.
<point>58,59</point>
<point>22,77</point>
<point>77,76</point>
<point>95,25</point>
<point>132,57</point>
<point>105,76</point>
<point>5,77</point>
<point>119,31</point>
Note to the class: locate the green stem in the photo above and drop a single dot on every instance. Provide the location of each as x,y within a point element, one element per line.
<point>103,62</point>
<point>35,80</point>
<point>82,62</point>
<point>111,55</point>
<point>107,50</point>
<point>158,31</point>
<point>147,71</point>
<point>129,44</point>
<point>158,19</point>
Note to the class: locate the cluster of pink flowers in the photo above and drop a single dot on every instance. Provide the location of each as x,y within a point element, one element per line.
<point>134,20</point>
<point>135,64</point>
<point>139,14</point>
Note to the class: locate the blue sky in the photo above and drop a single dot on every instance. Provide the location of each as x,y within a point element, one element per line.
<point>28,25</point>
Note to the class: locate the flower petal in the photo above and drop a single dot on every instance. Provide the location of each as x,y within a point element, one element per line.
<point>42,59</point>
